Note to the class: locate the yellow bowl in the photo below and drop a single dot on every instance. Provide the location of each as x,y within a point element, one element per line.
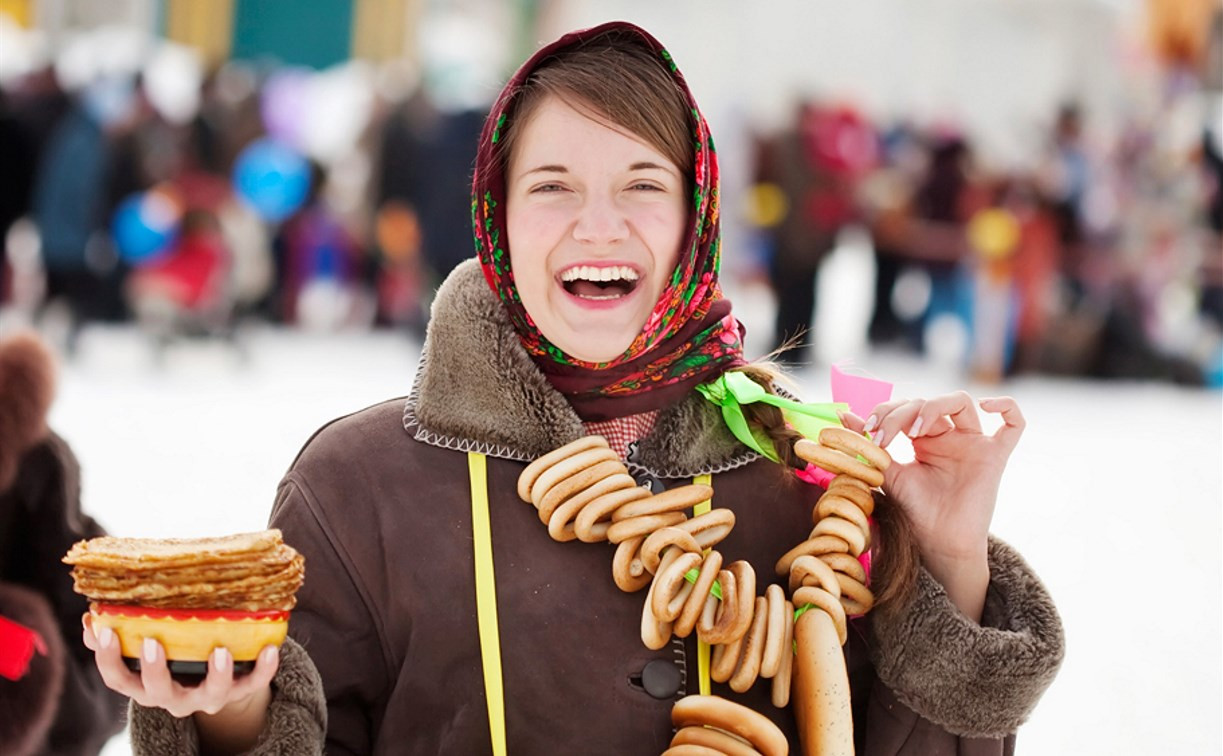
<point>190,635</point>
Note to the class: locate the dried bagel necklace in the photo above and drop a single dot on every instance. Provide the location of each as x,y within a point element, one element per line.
<point>582,491</point>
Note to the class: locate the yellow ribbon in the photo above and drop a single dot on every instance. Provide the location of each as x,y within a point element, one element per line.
<point>486,601</point>
<point>702,648</point>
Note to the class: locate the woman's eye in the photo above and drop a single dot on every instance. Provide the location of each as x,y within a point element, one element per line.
<point>646,187</point>
<point>547,188</point>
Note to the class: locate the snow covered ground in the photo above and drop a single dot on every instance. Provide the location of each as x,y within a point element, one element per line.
<point>1114,496</point>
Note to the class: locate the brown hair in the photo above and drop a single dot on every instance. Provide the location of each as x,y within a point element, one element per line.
<point>896,559</point>
<point>612,77</point>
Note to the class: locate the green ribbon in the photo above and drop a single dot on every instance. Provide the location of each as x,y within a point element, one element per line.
<point>691,576</point>
<point>734,388</point>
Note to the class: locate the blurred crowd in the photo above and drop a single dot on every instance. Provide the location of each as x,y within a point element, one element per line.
<point>116,206</point>
<point>340,198</point>
<point>1097,259</point>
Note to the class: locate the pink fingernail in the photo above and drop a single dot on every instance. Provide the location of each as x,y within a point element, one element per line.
<point>106,637</point>
<point>870,423</point>
<point>220,660</point>
<point>269,654</point>
<point>150,650</point>
<point>916,429</point>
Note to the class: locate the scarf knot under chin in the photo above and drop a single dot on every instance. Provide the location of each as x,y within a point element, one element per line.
<point>689,337</point>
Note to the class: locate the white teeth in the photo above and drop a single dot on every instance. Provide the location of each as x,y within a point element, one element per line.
<point>590,273</point>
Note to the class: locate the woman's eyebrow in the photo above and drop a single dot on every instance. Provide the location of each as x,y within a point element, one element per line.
<point>646,165</point>
<point>547,169</point>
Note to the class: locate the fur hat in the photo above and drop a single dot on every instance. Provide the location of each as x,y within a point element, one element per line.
<point>27,385</point>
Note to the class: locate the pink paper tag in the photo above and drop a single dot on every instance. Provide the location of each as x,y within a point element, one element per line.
<point>862,394</point>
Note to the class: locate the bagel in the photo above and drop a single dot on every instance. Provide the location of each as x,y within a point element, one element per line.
<point>660,540</point>
<point>845,440</point>
<point>748,668</point>
<point>857,539</point>
<point>643,526</point>
<point>809,570</point>
<point>835,461</point>
<point>835,505</point>
<point>711,528</point>
<point>671,590</point>
<point>735,719</point>
<point>685,623</point>
<point>812,546</point>
<point>594,518</point>
<point>623,562</point>
<point>567,467</point>
<point>708,737</point>
<point>532,472</point>
<point>678,499</point>
<point>823,600</point>
<point>554,498</point>
<point>855,597</point>
<point>719,619</point>
<point>845,564</point>
<point>781,681</point>
<point>770,661</point>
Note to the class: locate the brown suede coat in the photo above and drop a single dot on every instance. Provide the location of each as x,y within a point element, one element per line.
<point>379,502</point>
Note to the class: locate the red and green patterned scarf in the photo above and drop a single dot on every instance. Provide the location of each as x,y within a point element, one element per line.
<point>690,336</point>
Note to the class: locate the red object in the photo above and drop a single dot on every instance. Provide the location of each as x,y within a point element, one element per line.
<point>192,272</point>
<point>17,646</point>
<point>186,614</point>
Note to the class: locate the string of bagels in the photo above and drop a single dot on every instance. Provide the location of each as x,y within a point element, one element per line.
<point>582,491</point>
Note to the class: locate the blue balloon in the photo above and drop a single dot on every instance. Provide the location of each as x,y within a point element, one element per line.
<point>144,225</point>
<point>272,178</point>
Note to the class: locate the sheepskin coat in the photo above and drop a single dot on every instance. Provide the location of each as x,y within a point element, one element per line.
<point>61,706</point>
<point>380,504</point>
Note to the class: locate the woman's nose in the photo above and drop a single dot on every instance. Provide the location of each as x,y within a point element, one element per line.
<point>600,222</point>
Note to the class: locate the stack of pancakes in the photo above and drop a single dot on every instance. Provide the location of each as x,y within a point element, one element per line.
<point>244,572</point>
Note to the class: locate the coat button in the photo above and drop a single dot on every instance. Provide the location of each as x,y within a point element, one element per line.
<point>661,679</point>
<point>655,486</point>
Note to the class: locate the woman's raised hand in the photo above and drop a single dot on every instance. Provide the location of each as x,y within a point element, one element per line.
<point>153,687</point>
<point>950,488</point>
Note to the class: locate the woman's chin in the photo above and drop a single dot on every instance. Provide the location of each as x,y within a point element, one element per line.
<point>594,345</point>
<point>587,354</point>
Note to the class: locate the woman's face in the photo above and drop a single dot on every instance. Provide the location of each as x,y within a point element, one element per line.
<point>595,218</point>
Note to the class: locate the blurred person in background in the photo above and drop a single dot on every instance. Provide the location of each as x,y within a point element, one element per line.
<point>72,205</point>
<point>426,155</point>
<point>31,107</point>
<point>60,707</point>
<point>1068,179</point>
<point>815,163</point>
<point>185,290</point>
<point>18,156</point>
<point>322,269</point>
<point>594,307</point>
<point>886,198</point>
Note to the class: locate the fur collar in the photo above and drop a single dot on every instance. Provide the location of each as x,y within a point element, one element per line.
<point>476,389</point>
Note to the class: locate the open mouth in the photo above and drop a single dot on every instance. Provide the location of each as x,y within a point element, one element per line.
<point>599,284</point>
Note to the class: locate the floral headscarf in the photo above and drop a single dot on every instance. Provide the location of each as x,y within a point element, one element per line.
<point>689,337</point>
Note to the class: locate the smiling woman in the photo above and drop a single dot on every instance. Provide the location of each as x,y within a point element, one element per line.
<point>586,362</point>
